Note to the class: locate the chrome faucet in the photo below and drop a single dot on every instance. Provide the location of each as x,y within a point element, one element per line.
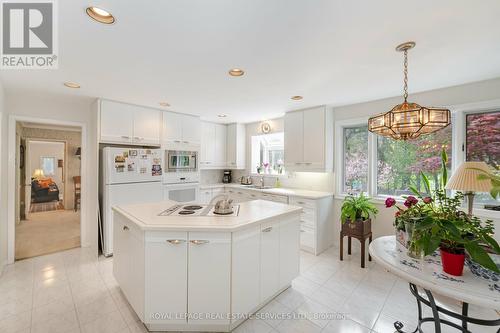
<point>261,182</point>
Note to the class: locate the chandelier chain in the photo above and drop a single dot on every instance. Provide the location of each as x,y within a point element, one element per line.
<point>405,63</point>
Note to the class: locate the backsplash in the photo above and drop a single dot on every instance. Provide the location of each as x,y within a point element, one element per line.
<point>210,176</point>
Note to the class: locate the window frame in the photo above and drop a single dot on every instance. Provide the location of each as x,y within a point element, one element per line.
<point>253,172</point>
<point>54,159</point>
<point>458,123</point>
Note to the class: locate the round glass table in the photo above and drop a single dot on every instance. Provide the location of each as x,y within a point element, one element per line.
<point>428,275</point>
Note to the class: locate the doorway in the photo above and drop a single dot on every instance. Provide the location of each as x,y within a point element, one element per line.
<point>48,189</point>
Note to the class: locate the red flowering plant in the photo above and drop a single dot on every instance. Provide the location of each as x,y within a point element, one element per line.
<point>414,210</point>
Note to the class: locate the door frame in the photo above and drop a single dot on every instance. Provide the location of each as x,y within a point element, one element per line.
<point>28,165</point>
<point>11,183</point>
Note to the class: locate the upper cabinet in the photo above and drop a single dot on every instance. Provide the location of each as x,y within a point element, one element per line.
<point>309,140</point>
<point>129,124</point>
<point>235,146</point>
<point>213,146</point>
<point>180,129</point>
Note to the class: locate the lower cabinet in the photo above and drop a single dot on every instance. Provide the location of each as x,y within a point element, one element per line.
<point>269,260</point>
<point>289,251</point>
<point>209,277</point>
<point>246,271</point>
<point>166,277</point>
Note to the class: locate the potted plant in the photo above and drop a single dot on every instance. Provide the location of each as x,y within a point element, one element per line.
<point>356,214</point>
<point>454,232</point>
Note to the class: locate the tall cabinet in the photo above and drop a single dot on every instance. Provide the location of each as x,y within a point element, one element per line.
<point>309,140</point>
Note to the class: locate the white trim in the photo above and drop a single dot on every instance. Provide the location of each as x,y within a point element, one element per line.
<point>339,149</point>
<point>11,185</point>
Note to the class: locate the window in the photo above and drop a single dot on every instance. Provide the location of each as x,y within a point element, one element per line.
<point>48,165</point>
<point>268,153</point>
<point>482,143</point>
<point>399,163</point>
<point>355,159</point>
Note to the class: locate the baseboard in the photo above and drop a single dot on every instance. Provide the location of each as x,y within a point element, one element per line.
<point>2,266</point>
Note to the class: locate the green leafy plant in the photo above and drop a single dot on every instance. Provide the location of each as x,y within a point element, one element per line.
<point>449,228</point>
<point>495,181</point>
<point>357,208</point>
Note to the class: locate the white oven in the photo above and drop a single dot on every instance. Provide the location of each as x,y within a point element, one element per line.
<point>185,192</point>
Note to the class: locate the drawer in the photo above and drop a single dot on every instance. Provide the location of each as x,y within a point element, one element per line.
<point>274,197</point>
<point>308,224</point>
<point>309,215</point>
<point>307,236</point>
<point>306,203</point>
<point>253,196</point>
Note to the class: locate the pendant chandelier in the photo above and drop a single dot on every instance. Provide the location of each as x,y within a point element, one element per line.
<point>408,120</point>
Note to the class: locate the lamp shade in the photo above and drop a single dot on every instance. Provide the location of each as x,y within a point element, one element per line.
<point>38,173</point>
<point>465,178</point>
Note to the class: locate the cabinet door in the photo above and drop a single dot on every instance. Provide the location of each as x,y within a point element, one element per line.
<point>269,260</point>
<point>120,257</point>
<point>191,127</point>
<point>209,274</point>
<point>207,155</point>
<point>205,196</point>
<point>116,122</point>
<point>147,123</point>
<point>220,145</point>
<point>172,127</point>
<point>314,138</point>
<point>289,232</point>
<point>231,145</point>
<point>166,276</point>
<point>294,139</point>
<point>245,271</point>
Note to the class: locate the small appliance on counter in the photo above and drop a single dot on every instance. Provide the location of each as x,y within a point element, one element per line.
<point>226,178</point>
<point>246,180</point>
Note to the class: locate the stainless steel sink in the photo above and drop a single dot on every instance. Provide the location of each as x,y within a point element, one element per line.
<point>260,187</point>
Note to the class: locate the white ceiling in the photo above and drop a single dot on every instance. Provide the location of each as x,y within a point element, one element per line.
<point>332,52</point>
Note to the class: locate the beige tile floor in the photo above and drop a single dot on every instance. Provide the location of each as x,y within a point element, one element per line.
<point>71,291</point>
<point>47,232</point>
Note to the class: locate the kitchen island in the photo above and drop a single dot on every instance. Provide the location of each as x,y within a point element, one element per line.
<point>204,273</point>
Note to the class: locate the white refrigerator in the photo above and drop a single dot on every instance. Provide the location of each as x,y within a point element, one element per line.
<point>129,175</point>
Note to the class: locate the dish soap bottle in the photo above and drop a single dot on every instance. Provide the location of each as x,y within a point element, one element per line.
<point>278,182</point>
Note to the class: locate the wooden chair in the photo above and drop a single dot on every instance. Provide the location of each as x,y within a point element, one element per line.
<point>77,191</point>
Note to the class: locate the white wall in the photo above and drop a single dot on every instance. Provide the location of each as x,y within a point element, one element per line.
<point>70,108</point>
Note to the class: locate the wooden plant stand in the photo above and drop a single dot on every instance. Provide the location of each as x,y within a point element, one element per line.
<point>361,230</point>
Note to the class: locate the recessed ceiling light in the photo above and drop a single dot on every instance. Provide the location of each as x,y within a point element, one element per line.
<point>222,115</point>
<point>100,15</point>
<point>164,104</point>
<point>71,85</point>
<point>297,98</point>
<point>236,72</point>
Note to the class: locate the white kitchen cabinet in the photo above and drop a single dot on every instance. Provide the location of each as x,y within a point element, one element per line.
<point>213,146</point>
<point>166,275</point>
<point>220,145</point>
<point>246,271</point>
<point>294,139</point>
<point>209,264</point>
<point>206,195</point>
<point>207,154</point>
<point>180,130</point>
<point>128,124</point>
<point>289,242</point>
<point>316,223</point>
<point>146,126</point>
<point>236,146</point>
<point>309,140</point>
<point>269,260</point>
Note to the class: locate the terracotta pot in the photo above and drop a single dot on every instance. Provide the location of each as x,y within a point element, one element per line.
<point>453,264</point>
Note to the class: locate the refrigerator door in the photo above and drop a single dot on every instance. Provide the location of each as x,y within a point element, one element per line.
<point>122,194</point>
<point>132,165</point>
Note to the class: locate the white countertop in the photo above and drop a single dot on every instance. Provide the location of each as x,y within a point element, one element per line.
<point>428,273</point>
<point>146,217</point>
<point>291,192</point>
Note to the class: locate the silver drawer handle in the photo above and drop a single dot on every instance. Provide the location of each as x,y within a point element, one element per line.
<point>199,242</point>
<point>177,141</point>
<point>185,141</point>
<point>125,137</point>
<point>176,241</point>
<point>268,229</point>
<point>302,230</point>
<point>301,202</point>
<point>125,227</point>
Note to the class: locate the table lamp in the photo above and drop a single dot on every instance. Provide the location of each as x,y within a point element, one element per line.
<point>38,174</point>
<point>464,179</point>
